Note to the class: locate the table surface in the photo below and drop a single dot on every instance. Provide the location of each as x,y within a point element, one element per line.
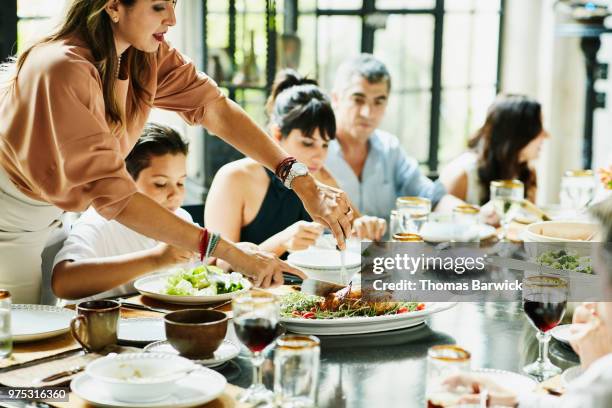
<point>388,369</point>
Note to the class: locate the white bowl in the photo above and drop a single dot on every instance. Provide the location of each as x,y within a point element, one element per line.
<point>560,231</point>
<point>139,377</point>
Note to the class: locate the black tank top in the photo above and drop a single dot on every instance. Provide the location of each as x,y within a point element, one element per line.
<point>280,208</point>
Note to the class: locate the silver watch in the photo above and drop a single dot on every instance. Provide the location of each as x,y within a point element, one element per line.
<point>297,169</point>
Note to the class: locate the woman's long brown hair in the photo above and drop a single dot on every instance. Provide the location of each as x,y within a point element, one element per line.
<point>512,122</point>
<point>88,20</point>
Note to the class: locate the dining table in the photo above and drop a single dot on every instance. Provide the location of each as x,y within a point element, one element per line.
<point>385,369</point>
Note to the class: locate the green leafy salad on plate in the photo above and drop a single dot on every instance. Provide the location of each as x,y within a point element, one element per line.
<point>204,280</point>
<point>566,260</point>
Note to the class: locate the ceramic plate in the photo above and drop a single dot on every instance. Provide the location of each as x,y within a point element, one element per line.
<point>196,389</point>
<point>570,375</point>
<point>324,259</point>
<point>153,287</point>
<point>226,351</point>
<point>509,379</point>
<point>562,333</point>
<point>141,330</point>
<point>444,231</point>
<point>36,322</point>
<point>357,325</point>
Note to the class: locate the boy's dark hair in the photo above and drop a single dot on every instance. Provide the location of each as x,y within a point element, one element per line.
<point>155,140</point>
<point>297,102</point>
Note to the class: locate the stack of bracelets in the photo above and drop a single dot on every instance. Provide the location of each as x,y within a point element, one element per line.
<point>208,243</point>
<point>284,167</point>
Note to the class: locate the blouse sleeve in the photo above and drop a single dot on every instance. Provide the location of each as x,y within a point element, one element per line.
<point>181,88</point>
<point>75,161</point>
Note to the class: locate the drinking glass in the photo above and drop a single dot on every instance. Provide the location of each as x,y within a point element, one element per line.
<point>296,370</point>
<point>507,196</point>
<point>443,362</point>
<point>544,302</point>
<point>466,223</point>
<point>577,189</point>
<point>256,316</point>
<point>414,212</point>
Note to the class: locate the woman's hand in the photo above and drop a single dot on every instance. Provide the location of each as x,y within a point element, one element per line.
<point>488,215</point>
<point>301,235</point>
<point>590,338</point>
<point>326,205</point>
<point>479,389</point>
<point>166,255</point>
<point>263,268</point>
<point>369,227</point>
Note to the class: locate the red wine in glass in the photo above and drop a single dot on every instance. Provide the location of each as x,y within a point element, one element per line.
<point>544,314</point>
<point>256,333</point>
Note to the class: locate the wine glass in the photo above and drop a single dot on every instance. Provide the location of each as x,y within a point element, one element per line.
<point>507,196</point>
<point>256,316</point>
<point>544,302</point>
<point>414,212</point>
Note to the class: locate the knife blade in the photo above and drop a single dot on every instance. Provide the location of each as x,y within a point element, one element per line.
<point>318,287</point>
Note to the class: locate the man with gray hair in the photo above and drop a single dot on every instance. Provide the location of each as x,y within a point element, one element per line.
<point>369,164</point>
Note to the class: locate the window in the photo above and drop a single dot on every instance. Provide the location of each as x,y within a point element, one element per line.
<point>443,57</point>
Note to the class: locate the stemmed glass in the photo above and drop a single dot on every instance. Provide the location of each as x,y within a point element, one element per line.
<point>256,316</point>
<point>414,212</point>
<point>544,302</point>
<point>507,196</point>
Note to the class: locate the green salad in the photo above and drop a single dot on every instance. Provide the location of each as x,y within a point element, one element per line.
<point>203,280</point>
<point>566,260</point>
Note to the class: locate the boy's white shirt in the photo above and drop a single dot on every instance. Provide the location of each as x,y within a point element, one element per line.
<point>93,236</point>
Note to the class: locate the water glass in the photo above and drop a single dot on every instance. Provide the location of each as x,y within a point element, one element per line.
<point>296,370</point>
<point>443,362</point>
<point>6,339</point>
<point>466,223</point>
<point>507,197</point>
<point>414,212</point>
<point>577,189</point>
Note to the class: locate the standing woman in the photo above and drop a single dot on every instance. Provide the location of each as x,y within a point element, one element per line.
<point>74,107</point>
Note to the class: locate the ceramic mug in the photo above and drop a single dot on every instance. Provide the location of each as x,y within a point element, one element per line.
<point>95,326</point>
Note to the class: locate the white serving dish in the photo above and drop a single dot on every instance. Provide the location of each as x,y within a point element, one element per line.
<point>194,390</point>
<point>37,322</point>
<point>139,377</point>
<point>324,259</point>
<point>357,325</point>
<point>560,231</point>
<point>153,286</point>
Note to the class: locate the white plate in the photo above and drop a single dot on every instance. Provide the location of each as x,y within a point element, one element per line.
<point>562,333</point>
<point>357,325</point>
<point>154,285</point>
<point>570,375</point>
<point>141,330</point>
<point>509,379</point>
<point>444,231</point>
<point>226,351</point>
<point>36,322</point>
<point>197,388</point>
<point>324,259</point>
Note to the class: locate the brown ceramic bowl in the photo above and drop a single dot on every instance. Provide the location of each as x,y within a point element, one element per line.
<point>196,333</point>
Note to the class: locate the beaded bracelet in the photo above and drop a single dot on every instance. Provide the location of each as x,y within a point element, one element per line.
<point>284,167</point>
<point>204,243</point>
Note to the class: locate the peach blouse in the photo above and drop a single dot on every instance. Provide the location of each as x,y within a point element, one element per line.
<point>55,143</point>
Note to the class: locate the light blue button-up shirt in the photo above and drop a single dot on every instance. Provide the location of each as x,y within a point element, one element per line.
<point>388,173</point>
